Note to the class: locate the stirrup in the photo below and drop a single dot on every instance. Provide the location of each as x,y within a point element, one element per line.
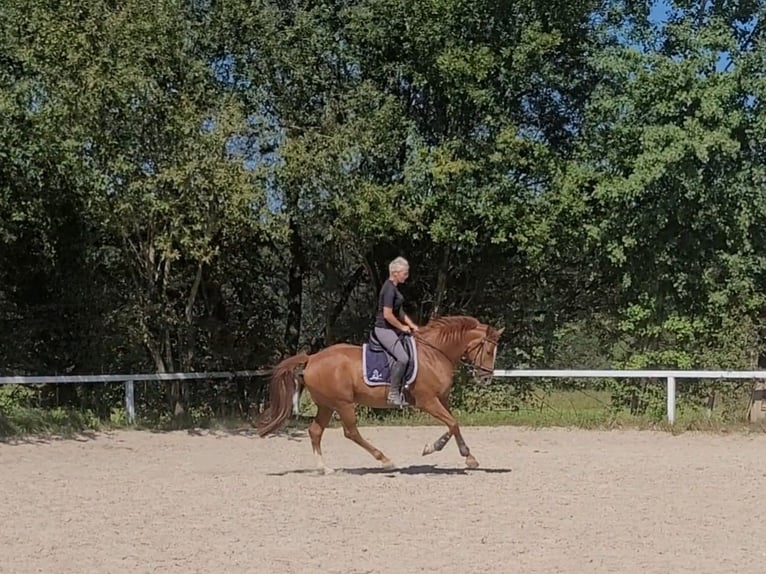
<point>396,400</point>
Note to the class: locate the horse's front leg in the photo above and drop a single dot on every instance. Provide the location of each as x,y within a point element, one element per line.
<point>439,411</point>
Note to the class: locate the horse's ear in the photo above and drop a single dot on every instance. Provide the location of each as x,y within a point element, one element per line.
<point>499,332</point>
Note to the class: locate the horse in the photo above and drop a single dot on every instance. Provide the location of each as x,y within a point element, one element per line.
<point>337,379</point>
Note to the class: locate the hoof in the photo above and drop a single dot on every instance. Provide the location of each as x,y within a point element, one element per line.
<point>387,465</point>
<point>471,462</point>
<point>326,470</point>
<point>428,449</point>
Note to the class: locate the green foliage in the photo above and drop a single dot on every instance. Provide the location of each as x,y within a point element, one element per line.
<point>189,185</point>
<point>471,398</point>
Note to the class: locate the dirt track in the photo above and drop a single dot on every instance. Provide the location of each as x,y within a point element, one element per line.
<point>542,502</point>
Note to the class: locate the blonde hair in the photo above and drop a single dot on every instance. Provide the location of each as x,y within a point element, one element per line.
<point>398,264</point>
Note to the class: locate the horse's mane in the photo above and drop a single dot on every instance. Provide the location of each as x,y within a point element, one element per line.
<point>446,330</point>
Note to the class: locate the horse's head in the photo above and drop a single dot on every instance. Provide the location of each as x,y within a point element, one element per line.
<point>465,339</point>
<point>481,352</point>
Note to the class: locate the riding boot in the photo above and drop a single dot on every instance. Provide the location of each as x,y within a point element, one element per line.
<point>395,389</point>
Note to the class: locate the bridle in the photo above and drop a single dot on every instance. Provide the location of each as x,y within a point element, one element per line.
<point>471,362</point>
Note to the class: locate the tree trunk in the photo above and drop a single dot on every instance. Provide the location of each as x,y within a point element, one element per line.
<point>187,335</point>
<point>295,286</point>
<point>376,280</point>
<point>758,402</point>
<point>757,408</point>
<point>190,335</point>
<point>441,282</point>
<point>340,304</point>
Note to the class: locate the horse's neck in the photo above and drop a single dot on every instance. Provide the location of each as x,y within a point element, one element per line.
<point>454,347</point>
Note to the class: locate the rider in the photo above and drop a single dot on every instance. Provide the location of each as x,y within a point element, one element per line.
<point>391,322</point>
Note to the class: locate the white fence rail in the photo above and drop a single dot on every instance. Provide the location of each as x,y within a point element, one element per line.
<point>128,380</point>
<point>669,377</point>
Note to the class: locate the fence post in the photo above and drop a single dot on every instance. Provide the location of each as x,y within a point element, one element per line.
<point>671,400</point>
<point>130,405</point>
<point>757,408</point>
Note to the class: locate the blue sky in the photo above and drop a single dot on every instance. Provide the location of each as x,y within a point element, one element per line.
<point>661,9</point>
<point>659,12</point>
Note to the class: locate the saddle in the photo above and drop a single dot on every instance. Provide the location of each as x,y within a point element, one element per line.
<point>376,362</point>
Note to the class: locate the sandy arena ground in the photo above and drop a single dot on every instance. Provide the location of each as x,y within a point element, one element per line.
<point>542,501</point>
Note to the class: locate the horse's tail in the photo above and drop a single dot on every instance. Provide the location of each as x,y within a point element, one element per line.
<point>281,389</point>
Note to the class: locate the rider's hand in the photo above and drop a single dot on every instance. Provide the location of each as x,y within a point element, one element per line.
<point>406,329</point>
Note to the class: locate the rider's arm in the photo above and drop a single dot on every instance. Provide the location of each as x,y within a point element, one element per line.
<point>409,321</point>
<point>388,314</point>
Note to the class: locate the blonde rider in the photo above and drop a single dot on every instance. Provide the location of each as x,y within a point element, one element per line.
<point>391,323</point>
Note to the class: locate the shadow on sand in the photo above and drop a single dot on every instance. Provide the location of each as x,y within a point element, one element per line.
<point>49,438</point>
<point>413,470</point>
<point>289,433</point>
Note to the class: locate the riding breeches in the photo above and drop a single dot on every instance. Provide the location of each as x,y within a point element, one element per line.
<point>390,340</point>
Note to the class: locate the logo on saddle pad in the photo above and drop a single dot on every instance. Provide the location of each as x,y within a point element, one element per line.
<point>376,376</point>
<point>376,364</point>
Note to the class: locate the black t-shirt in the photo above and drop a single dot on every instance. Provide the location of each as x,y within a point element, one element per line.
<point>389,296</point>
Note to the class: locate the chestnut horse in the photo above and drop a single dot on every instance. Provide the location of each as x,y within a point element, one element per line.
<point>335,381</point>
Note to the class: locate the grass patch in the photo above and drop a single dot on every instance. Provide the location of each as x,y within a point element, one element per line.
<point>26,421</point>
<point>576,409</point>
<point>568,409</point>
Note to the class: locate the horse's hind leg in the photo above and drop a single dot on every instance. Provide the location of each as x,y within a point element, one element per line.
<point>316,429</point>
<point>350,430</point>
<point>438,444</point>
<point>297,399</point>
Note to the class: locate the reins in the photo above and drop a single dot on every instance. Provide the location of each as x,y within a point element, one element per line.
<point>420,339</point>
<point>462,360</point>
